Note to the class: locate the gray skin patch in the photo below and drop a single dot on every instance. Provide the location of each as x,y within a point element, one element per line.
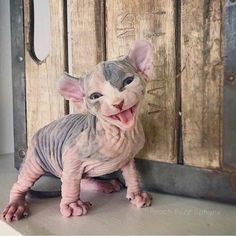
<point>115,71</point>
<point>93,104</point>
<point>53,139</point>
<point>97,105</point>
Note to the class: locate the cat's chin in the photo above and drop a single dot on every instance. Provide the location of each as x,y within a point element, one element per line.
<point>125,120</point>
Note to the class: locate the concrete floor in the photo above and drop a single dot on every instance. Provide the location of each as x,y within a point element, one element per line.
<point>113,215</point>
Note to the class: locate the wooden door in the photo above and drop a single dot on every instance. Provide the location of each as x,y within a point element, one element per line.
<point>188,151</point>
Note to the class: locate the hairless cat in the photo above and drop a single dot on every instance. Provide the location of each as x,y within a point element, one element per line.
<point>103,139</point>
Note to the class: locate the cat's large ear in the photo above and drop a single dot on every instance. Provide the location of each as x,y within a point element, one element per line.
<point>72,89</point>
<point>141,56</point>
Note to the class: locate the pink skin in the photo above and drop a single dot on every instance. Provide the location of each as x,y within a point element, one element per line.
<point>17,207</point>
<point>79,208</point>
<point>111,110</point>
<point>134,194</point>
<point>123,138</point>
<point>103,186</point>
<point>31,171</point>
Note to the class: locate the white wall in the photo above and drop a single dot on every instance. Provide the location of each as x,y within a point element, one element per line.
<point>6,107</point>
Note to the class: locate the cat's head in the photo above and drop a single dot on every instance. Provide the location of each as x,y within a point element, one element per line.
<point>113,90</point>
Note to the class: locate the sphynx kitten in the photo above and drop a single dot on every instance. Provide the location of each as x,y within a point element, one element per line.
<point>103,139</point>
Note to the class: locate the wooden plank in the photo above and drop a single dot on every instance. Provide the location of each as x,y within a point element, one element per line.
<point>86,39</point>
<point>86,35</point>
<point>153,20</point>
<point>44,104</point>
<point>201,81</point>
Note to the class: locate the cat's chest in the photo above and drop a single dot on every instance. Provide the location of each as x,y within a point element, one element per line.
<point>114,155</point>
<point>113,152</point>
<point>122,145</point>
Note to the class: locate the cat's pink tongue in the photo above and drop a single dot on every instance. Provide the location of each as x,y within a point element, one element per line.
<point>125,116</point>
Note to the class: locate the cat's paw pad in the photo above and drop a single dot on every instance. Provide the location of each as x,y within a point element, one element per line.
<point>77,208</point>
<point>15,211</point>
<point>141,199</point>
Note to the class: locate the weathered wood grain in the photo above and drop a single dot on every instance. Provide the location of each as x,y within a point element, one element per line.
<point>201,81</point>
<point>153,20</point>
<point>44,104</point>
<point>86,35</point>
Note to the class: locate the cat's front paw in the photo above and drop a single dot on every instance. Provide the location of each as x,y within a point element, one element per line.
<point>140,199</point>
<point>15,211</point>
<point>77,208</point>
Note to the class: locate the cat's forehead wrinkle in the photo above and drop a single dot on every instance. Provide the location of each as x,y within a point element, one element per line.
<point>95,80</point>
<point>115,71</point>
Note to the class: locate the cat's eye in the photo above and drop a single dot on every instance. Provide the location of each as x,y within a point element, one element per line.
<point>128,80</point>
<point>95,95</point>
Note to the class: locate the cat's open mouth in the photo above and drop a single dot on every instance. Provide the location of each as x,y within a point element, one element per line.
<point>126,117</point>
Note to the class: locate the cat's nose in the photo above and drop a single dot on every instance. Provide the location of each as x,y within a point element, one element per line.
<point>119,105</point>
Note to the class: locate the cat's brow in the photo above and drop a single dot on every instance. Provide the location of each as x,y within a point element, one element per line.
<point>115,71</point>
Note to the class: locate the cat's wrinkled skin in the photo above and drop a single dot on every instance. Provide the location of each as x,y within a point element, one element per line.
<point>103,139</point>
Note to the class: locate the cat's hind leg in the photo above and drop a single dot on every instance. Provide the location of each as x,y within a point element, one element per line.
<point>29,173</point>
<point>100,185</point>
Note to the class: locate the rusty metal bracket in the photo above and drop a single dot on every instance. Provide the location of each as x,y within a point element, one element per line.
<point>18,80</point>
<point>229,90</point>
